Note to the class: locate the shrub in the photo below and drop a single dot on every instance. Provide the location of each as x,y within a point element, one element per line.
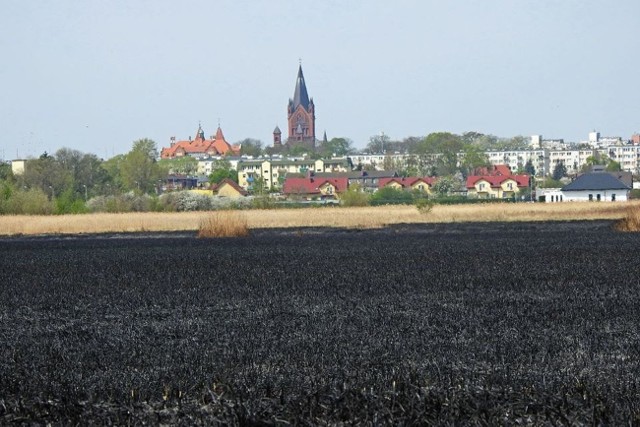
<point>263,202</point>
<point>223,224</point>
<point>424,205</point>
<point>31,202</point>
<point>354,197</point>
<point>391,196</point>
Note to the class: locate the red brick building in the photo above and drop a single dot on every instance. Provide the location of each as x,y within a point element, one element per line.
<point>301,117</point>
<point>200,146</point>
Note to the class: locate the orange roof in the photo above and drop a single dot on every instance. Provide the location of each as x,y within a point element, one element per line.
<point>200,145</point>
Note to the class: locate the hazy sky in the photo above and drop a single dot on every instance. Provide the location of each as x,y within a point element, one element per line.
<point>97,75</point>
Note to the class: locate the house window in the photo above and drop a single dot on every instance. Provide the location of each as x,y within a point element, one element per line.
<point>481,186</point>
<point>613,197</point>
<point>598,197</point>
<point>510,186</point>
<point>591,197</point>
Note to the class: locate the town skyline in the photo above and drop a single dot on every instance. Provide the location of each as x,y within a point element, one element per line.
<point>97,77</point>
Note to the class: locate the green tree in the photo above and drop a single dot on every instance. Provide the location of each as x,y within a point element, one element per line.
<point>46,174</point>
<point>221,169</point>
<point>445,185</point>
<point>529,169</point>
<point>139,169</point>
<point>438,153</point>
<point>336,146</point>
<point>613,166</point>
<point>251,147</point>
<point>185,165</point>
<point>87,174</point>
<point>559,171</point>
<point>472,159</point>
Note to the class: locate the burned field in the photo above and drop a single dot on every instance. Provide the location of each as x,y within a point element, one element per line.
<point>436,324</point>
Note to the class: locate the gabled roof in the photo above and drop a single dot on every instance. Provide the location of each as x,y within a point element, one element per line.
<point>358,174</point>
<point>595,181</point>
<point>311,185</point>
<point>494,170</point>
<point>230,182</point>
<point>406,182</point>
<point>497,180</point>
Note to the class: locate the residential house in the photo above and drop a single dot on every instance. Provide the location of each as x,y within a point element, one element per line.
<point>312,186</point>
<point>595,186</point>
<point>499,183</point>
<point>408,183</point>
<point>228,188</point>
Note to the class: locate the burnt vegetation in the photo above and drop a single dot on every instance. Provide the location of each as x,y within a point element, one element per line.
<point>437,324</point>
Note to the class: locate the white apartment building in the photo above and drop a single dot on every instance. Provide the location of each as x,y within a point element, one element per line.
<point>517,159</point>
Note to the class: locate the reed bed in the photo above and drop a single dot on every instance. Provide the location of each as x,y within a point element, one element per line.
<point>355,217</point>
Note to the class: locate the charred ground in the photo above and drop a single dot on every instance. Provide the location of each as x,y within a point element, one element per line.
<point>443,324</point>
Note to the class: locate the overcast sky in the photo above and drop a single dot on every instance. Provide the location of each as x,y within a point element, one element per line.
<point>97,75</point>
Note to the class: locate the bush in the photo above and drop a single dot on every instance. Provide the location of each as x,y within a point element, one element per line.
<point>391,196</point>
<point>128,202</point>
<point>31,202</point>
<point>424,205</point>
<point>354,197</point>
<point>263,202</point>
<point>224,224</point>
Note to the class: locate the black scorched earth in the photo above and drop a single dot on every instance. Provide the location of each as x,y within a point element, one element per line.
<point>437,324</point>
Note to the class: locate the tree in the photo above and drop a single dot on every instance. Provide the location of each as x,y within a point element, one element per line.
<point>473,158</point>
<point>378,144</point>
<point>445,185</point>
<point>529,169</point>
<point>613,166</point>
<point>251,147</point>
<point>186,165</point>
<point>85,169</point>
<point>46,174</point>
<point>559,171</point>
<point>221,169</point>
<point>336,146</point>
<point>139,169</point>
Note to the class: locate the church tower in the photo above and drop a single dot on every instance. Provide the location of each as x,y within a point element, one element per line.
<point>301,115</point>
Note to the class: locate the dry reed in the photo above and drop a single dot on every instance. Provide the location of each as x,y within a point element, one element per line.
<point>631,221</point>
<point>338,217</point>
<point>223,224</point>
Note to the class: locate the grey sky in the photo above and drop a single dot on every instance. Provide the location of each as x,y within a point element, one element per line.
<point>97,75</point>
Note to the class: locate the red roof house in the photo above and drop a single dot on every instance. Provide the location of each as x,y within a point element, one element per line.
<point>313,186</point>
<point>496,184</point>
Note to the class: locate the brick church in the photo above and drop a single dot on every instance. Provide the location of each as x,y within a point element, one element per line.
<point>301,118</point>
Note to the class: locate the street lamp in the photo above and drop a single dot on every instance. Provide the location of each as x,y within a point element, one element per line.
<point>85,192</point>
<point>51,187</point>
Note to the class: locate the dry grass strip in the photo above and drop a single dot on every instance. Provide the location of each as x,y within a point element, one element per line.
<point>356,217</point>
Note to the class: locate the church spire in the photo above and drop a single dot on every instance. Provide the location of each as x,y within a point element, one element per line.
<point>300,95</point>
